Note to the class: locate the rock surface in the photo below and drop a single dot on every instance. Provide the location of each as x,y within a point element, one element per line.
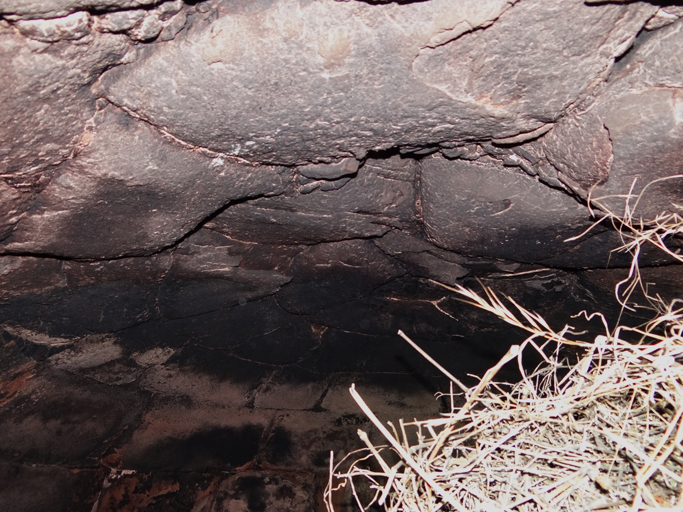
<point>641,108</point>
<point>384,77</point>
<point>130,191</point>
<point>46,96</point>
<point>378,197</point>
<point>37,9</point>
<point>476,209</point>
<point>215,216</point>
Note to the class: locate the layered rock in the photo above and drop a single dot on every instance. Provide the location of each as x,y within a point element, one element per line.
<point>214,216</point>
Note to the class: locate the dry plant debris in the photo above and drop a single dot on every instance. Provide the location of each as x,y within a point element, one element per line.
<point>603,434</point>
<point>636,233</point>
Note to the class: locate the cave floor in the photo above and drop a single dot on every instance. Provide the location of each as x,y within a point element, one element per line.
<point>177,437</point>
<point>167,415</point>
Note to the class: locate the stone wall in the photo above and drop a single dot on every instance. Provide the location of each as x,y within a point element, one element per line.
<point>215,215</point>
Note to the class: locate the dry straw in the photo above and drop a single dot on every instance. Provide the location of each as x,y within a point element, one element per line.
<point>603,434</point>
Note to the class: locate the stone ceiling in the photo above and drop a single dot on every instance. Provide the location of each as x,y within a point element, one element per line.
<point>215,215</point>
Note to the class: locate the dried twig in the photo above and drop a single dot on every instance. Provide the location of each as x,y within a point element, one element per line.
<point>603,434</point>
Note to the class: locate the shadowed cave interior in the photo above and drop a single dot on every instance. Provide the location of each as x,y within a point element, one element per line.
<point>215,217</point>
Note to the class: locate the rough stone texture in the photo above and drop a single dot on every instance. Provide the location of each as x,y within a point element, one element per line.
<point>206,277</point>
<point>581,149</point>
<point>476,209</point>
<point>32,9</point>
<point>372,76</point>
<point>119,21</point>
<point>77,298</point>
<point>510,73</point>
<point>180,297</point>
<point>21,275</point>
<point>46,97</point>
<point>333,200</point>
<point>664,16</point>
<point>130,191</point>
<point>215,216</point>
<point>379,197</point>
<point>639,109</point>
<point>15,202</point>
<point>70,28</point>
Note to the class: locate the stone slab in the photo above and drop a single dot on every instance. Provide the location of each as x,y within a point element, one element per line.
<point>130,191</point>
<point>330,274</point>
<point>380,196</point>
<point>337,79</point>
<point>484,209</point>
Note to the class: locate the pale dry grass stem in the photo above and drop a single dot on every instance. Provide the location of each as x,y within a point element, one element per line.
<point>602,434</point>
<point>637,232</point>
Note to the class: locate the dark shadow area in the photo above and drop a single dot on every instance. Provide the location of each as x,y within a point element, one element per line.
<point>215,449</point>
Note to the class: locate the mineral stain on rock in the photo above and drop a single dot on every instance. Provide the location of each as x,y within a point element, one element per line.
<point>334,48</point>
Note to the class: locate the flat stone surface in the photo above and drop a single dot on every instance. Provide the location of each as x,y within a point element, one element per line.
<point>94,204</point>
<point>342,351</point>
<point>476,208</point>
<point>195,437</point>
<point>380,196</point>
<point>25,487</point>
<point>665,282</point>
<point>299,439</point>
<point>291,388</point>
<point>276,347</point>
<point>462,355</point>
<point>32,345</point>
<point>62,420</point>
<point>20,275</point>
<point>193,420</point>
<point>103,307</point>
<point>427,265</point>
<point>180,298</point>
<point>206,377</point>
<point>316,99</point>
<point>335,273</point>
<point>404,303</point>
<point>389,396</point>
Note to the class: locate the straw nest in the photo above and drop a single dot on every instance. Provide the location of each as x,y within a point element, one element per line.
<point>604,433</point>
